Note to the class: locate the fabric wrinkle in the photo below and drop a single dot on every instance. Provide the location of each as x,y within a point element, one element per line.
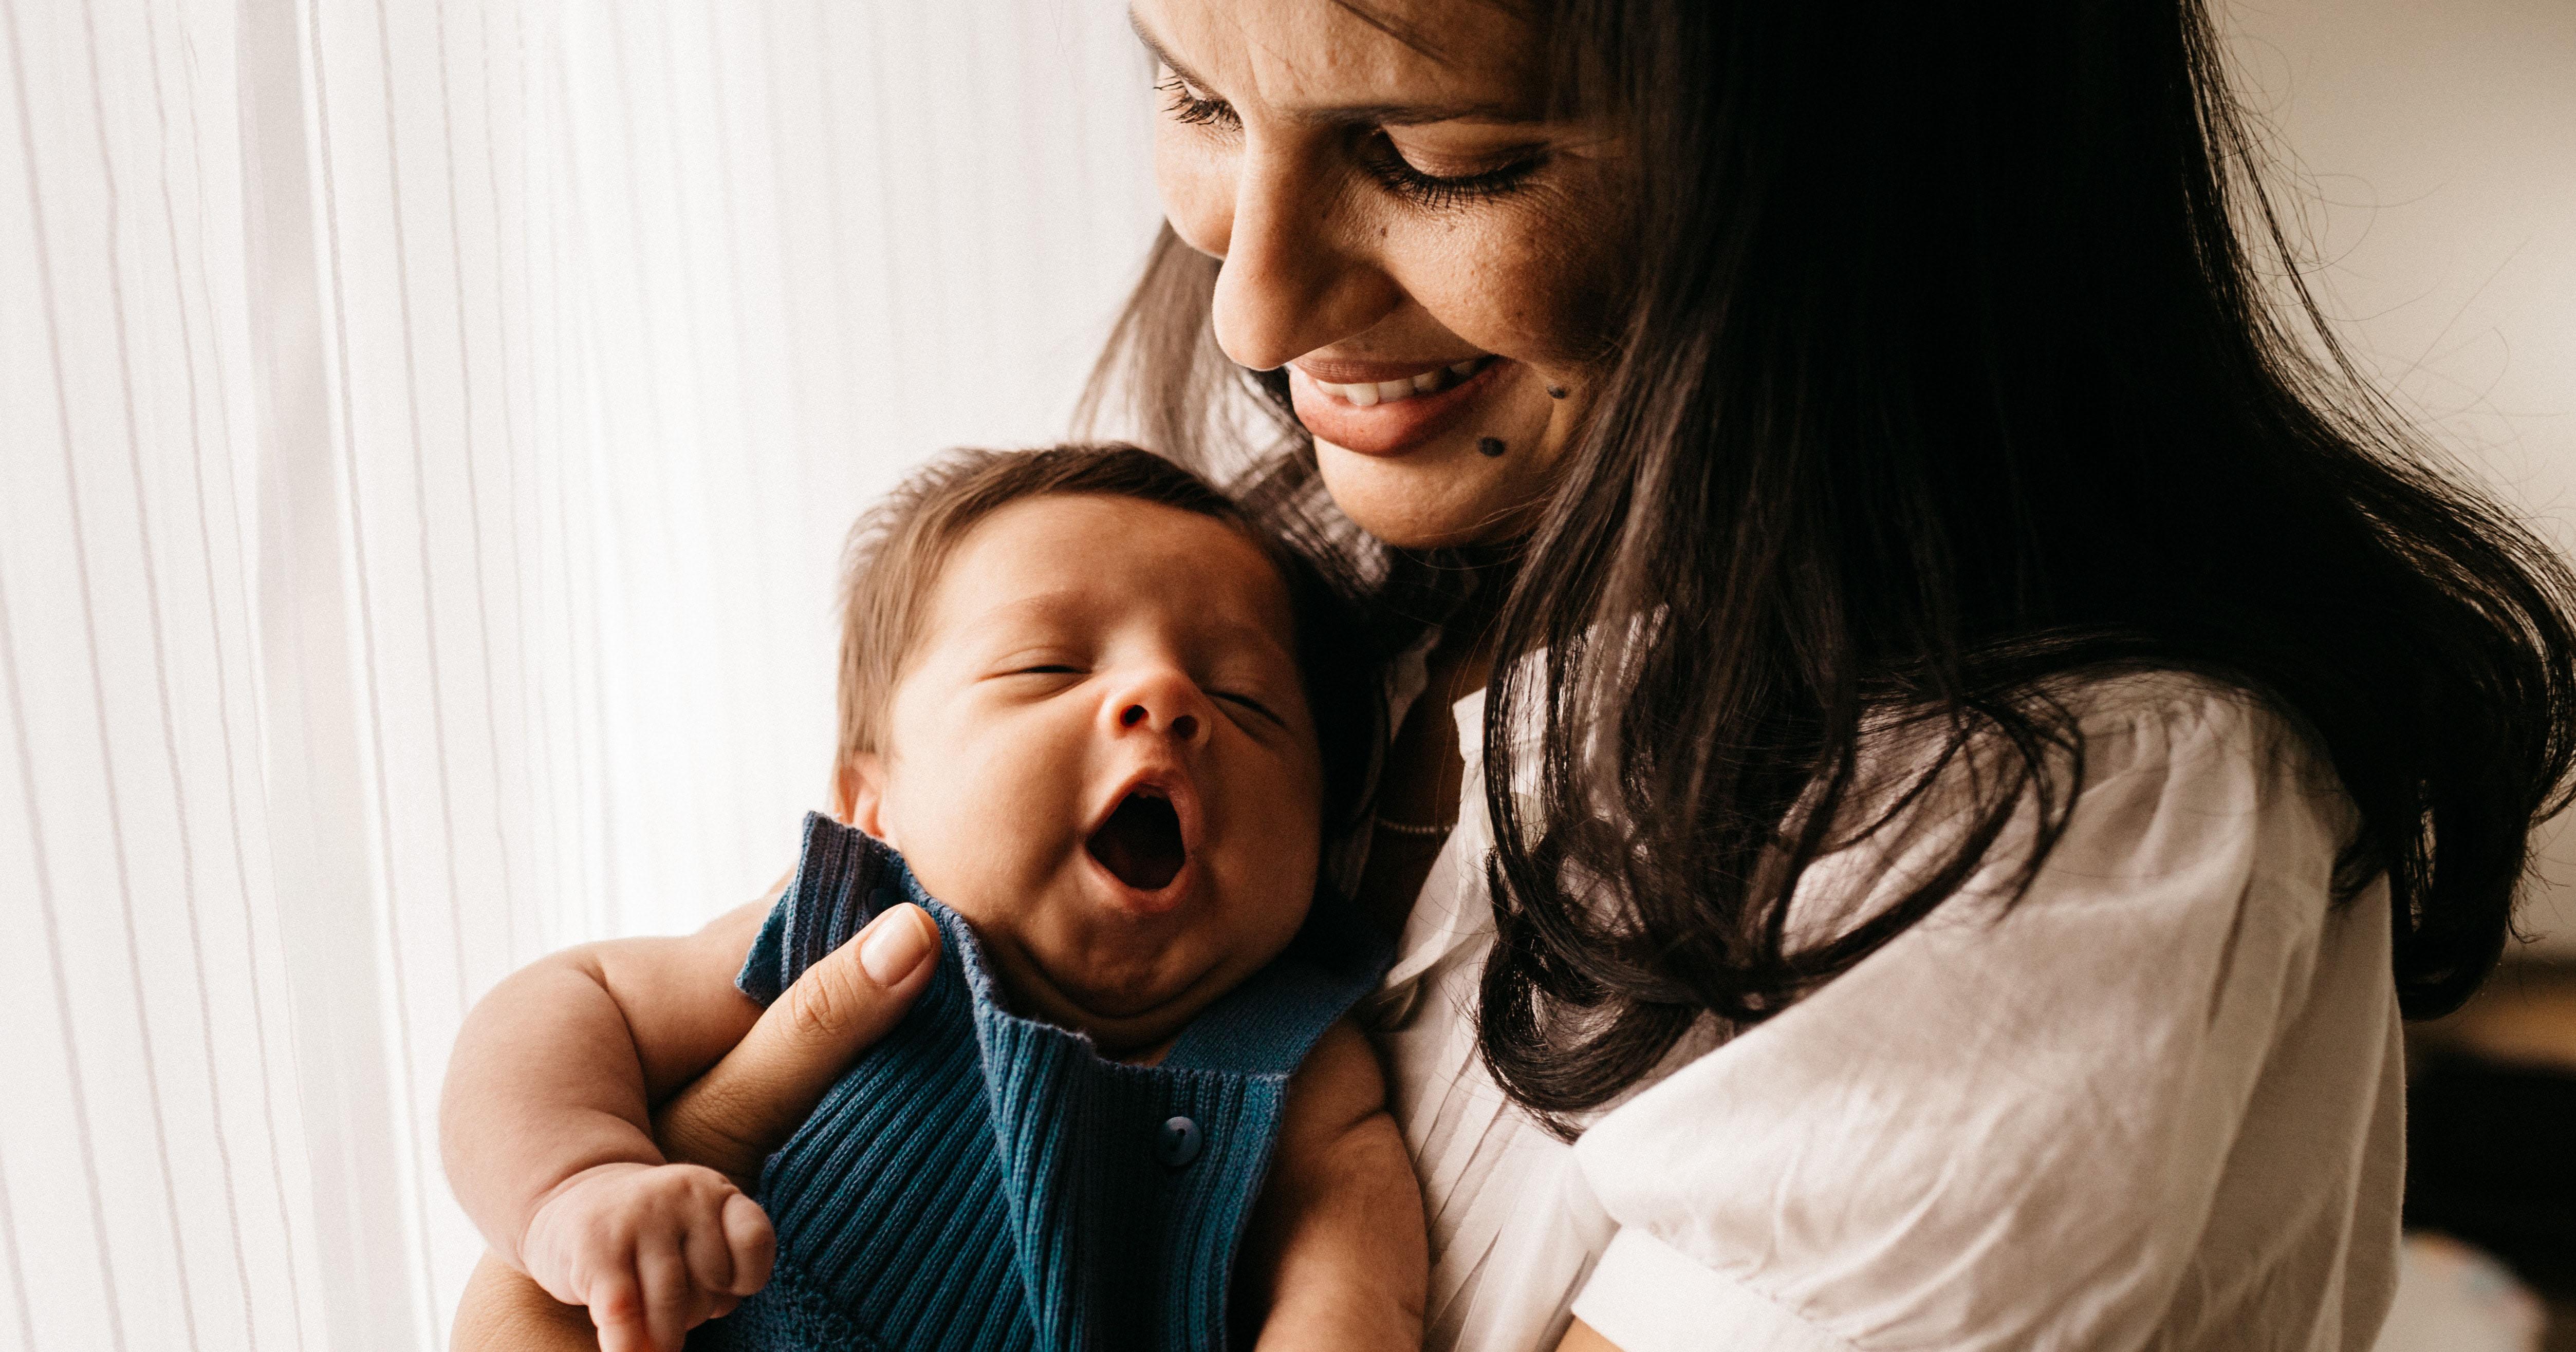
<point>2041,1125</point>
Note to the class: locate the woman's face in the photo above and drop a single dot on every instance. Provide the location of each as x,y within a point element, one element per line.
<point>1432,261</point>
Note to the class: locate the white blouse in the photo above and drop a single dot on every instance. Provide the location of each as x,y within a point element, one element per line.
<point>2155,1104</point>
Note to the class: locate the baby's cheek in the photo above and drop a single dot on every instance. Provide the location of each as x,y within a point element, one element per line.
<point>944,861</point>
<point>1278,890</point>
<point>975,831</point>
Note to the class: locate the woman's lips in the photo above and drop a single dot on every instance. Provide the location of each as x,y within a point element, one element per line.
<point>1391,426</point>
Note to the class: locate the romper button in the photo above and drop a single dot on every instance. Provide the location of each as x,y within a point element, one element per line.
<point>1179,1144</point>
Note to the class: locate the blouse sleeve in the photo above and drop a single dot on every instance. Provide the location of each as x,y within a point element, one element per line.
<point>2006,1128</point>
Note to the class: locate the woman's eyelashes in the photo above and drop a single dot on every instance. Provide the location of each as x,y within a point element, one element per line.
<point>1376,153</point>
<point>1194,109</point>
<point>1389,167</point>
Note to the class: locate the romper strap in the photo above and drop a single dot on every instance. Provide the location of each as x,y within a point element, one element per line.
<point>844,878</point>
<point>1267,1025</point>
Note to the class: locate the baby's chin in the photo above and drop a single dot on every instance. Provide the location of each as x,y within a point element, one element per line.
<point>1131,1009</point>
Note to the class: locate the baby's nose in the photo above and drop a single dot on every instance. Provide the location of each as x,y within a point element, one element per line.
<point>1165,702</point>
<point>1182,727</point>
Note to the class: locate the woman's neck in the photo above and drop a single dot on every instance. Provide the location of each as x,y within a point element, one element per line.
<point>1459,665</point>
<point>1418,792</point>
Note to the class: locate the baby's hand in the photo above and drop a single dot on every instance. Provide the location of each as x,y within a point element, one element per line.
<point>653,1250</point>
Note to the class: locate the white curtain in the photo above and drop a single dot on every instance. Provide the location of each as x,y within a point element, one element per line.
<point>426,432</point>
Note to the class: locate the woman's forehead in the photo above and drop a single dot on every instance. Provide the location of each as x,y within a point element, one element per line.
<point>1375,61</point>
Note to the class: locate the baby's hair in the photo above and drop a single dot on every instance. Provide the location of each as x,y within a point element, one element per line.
<point>898,548</point>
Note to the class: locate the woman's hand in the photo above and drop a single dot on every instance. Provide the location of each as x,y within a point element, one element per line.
<point>733,1117</point>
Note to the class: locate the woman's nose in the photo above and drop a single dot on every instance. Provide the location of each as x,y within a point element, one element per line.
<point>1162,703</point>
<point>1293,278</point>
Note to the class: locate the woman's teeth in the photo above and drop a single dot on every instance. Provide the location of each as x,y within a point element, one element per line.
<point>1388,391</point>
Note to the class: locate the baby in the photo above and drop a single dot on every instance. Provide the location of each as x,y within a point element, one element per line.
<point>1072,697</point>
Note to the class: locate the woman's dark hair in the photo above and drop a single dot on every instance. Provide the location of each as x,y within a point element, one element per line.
<point>1954,364</point>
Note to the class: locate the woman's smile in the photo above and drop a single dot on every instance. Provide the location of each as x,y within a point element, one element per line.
<point>1389,408</point>
<point>1378,220</point>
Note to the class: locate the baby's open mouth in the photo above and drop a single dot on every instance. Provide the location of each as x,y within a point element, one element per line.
<point>1141,841</point>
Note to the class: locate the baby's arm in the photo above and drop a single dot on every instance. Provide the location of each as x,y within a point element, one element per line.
<point>546,1130</point>
<point>1337,1255</point>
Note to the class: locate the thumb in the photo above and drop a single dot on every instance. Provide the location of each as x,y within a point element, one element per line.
<point>731,1118</point>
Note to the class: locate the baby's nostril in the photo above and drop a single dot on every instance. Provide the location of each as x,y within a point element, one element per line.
<point>1132,715</point>
<point>1185,727</point>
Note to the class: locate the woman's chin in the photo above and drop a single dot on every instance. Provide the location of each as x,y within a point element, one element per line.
<point>1435,497</point>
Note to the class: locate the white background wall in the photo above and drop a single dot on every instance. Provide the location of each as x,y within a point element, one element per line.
<point>2431,146</point>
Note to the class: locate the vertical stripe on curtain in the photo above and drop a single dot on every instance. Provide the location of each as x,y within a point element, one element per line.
<point>430,426</point>
<point>156,1186</point>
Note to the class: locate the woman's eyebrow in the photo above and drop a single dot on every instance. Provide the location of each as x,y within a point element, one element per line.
<point>1351,115</point>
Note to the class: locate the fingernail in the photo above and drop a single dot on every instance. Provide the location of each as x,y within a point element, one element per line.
<point>895,944</point>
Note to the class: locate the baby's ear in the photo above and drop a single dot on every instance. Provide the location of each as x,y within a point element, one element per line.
<point>858,793</point>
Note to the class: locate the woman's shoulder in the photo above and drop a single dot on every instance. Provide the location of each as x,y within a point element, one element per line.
<point>2123,776</point>
<point>2224,752</point>
<point>2083,732</point>
<point>2110,1071</point>
<point>2114,718</point>
<point>2131,716</point>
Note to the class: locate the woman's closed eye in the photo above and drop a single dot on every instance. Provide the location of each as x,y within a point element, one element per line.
<point>1377,153</point>
<point>1189,106</point>
<point>1401,176</point>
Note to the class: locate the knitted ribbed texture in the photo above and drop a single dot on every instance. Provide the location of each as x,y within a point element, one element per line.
<point>983,1181</point>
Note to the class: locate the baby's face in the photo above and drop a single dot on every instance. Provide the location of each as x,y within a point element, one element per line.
<point>1100,753</point>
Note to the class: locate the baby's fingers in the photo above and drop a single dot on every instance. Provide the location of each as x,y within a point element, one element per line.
<point>617,1310</point>
<point>729,1250</point>
<point>710,1259</point>
<point>672,1302</point>
<point>750,1242</point>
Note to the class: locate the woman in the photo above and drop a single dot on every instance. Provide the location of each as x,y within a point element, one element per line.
<point>1990,723</point>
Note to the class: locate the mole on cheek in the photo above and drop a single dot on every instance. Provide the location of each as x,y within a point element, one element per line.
<point>1489,447</point>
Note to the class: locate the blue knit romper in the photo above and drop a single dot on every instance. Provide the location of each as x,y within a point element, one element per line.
<point>984,1181</point>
